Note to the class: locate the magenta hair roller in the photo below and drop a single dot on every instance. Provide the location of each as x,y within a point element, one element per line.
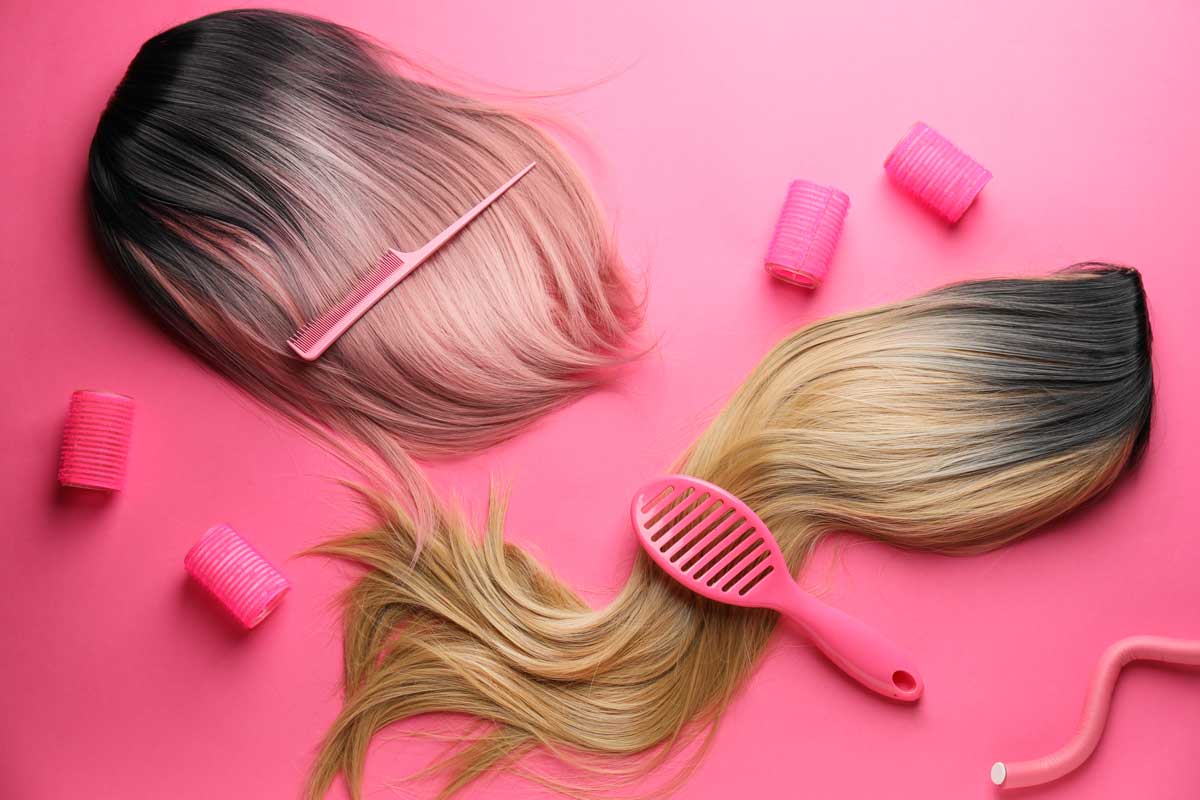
<point>807,233</point>
<point>929,166</point>
<point>95,446</point>
<point>245,583</point>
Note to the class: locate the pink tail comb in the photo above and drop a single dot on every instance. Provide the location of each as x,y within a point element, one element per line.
<point>315,337</point>
<point>712,543</point>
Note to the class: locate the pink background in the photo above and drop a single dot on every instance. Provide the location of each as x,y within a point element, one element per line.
<point>121,680</point>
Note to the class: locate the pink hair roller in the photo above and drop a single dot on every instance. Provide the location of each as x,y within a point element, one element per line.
<point>1019,774</point>
<point>807,233</point>
<point>237,575</point>
<point>95,446</point>
<point>929,166</point>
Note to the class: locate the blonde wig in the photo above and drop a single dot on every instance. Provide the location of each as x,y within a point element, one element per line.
<point>953,423</point>
<point>251,165</point>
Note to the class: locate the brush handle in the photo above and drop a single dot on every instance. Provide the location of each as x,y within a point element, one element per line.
<point>858,649</point>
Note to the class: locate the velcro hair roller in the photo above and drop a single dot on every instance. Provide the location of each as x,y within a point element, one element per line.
<point>236,574</point>
<point>928,166</point>
<point>95,446</point>
<point>807,233</point>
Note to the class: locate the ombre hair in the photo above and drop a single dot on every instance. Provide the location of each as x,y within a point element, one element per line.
<point>953,423</point>
<point>252,164</point>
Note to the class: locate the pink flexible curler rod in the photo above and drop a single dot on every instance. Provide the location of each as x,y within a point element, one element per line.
<point>1180,652</point>
<point>316,336</point>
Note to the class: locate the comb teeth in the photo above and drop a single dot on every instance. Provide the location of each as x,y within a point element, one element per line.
<point>731,551</point>
<point>311,332</point>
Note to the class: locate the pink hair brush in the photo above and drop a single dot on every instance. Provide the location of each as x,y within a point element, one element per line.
<point>1018,774</point>
<point>315,337</point>
<point>713,544</point>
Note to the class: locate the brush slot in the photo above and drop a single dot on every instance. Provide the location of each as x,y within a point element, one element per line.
<point>685,509</point>
<point>698,574</point>
<point>734,524</point>
<point>669,508</point>
<point>746,570</point>
<point>663,494</point>
<point>724,570</point>
<point>756,580</point>
<point>703,508</point>
<point>720,520</point>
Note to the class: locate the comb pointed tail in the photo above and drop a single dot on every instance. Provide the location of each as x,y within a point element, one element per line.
<point>434,244</point>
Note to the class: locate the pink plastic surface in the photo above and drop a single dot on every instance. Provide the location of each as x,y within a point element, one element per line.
<point>95,442</point>
<point>236,575</point>
<point>807,233</point>
<point>1160,649</point>
<point>126,683</point>
<point>939,174</point>
<point>714,544</point>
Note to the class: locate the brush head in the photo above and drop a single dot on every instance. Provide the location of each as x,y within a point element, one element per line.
<point>708,540</point>
<point>712,543</point>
